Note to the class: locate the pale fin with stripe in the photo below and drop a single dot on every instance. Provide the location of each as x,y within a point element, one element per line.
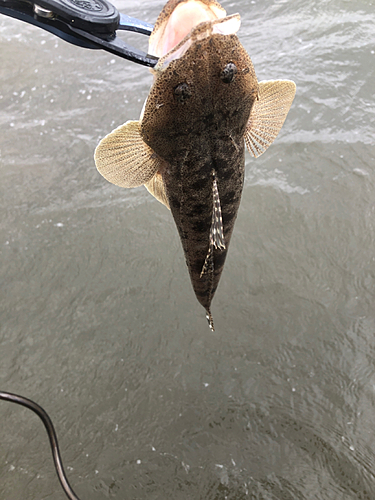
<point>268,114</point>
<point>217,230</point>
<point>216,239</point>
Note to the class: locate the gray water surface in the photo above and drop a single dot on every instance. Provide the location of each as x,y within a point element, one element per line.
<point>99,323</point>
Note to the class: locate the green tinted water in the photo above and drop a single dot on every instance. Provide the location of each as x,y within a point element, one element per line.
<point>98,320</point>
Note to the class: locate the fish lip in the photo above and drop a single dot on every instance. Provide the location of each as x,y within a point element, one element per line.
<point>201,31</point>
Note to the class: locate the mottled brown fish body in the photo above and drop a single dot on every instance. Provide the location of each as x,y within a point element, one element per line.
<point>198,127</point>
<point>189,191</point>
<point>187,149</point>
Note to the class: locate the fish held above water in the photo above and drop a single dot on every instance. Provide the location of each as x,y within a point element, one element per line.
<point>188,148</point>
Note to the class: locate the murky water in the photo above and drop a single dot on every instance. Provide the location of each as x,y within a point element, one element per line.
<point>99,323</point>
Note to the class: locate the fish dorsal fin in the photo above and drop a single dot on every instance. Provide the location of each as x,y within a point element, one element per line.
<point>217,231</point>
<point>268,114</point>
<point>216,240</point>
<point>156,187</point>
<point>124,159</point>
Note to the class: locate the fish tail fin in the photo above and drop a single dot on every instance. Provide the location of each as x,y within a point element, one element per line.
<point>210,320</point>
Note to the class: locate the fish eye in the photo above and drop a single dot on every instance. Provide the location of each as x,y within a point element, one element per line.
<point>229,73</point>
<point>182,92</point>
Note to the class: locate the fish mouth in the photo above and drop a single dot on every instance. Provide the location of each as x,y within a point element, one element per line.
<point>177,19</point>
<point>171,38</point>
<point>226,26</point>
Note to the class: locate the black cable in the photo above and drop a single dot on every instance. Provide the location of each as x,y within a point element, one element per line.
<point>42,414</point>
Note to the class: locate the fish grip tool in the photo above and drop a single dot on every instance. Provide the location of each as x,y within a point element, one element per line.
<point>91,24</point>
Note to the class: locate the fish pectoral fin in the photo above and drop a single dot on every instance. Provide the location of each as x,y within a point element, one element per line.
<point>268,114</point>
<point>156,187</point>
<point>124,159</point>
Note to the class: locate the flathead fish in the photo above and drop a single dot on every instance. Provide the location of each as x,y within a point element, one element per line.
<point>188,148</point>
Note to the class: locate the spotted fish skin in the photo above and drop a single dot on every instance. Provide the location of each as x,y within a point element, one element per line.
<point>187,148</point>
<point>195,120</point>
<point>189,190</point>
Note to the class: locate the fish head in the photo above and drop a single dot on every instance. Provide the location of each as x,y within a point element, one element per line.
<point>205,85</point>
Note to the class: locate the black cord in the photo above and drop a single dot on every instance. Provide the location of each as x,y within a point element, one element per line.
<point>42,414</point>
